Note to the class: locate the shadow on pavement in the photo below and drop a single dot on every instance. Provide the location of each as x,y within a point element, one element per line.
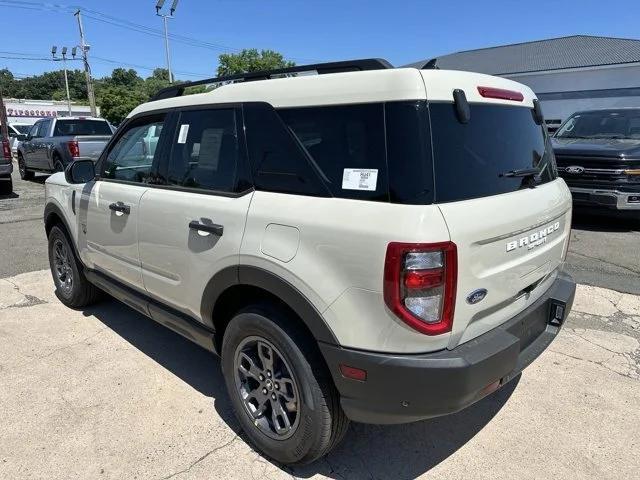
<point>368,451</point>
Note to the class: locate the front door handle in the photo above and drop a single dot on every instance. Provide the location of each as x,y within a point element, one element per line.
<point>120,208</point>
<point>208,228</point>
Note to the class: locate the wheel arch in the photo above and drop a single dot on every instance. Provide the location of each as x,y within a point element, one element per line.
<point>53,215</point>
<point>235,287</point>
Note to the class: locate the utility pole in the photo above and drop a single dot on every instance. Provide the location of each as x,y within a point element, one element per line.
<point>54,49</point>
<point>166,17</point>
<point>87,68</point>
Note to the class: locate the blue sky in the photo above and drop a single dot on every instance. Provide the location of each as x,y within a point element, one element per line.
<point>401,31</point>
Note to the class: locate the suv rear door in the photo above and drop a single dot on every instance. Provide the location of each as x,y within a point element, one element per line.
<point>191,224</point>
<point>109,209</point>
<point>511,231</point>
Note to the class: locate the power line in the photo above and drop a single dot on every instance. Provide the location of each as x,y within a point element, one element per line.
<point>25,56</point>
<point>126,24</point>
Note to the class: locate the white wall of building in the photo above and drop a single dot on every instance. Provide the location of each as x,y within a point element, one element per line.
<point>29,111</point>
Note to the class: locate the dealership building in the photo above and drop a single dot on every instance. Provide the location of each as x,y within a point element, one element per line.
<point>567,74</point>
<point>29,111</point>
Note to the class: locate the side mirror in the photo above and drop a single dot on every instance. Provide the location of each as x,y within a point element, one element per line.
<point>22,137</point>
<point>80,171</point>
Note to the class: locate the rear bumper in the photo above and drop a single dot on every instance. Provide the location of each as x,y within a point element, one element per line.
<point>613,199</point>
<point>407,388</point>
<point>6,169</point>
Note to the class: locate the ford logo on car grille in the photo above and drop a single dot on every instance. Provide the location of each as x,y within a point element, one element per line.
<point>574,170</point>
<point>476,296</point>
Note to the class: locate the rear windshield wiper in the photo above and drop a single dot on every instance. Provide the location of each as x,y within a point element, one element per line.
<point>523,172</point>
<point>530,176</point>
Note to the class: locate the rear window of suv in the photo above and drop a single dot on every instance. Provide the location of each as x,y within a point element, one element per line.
<point>408,152</point>
<point>81,127</point>
<point>471,160</point>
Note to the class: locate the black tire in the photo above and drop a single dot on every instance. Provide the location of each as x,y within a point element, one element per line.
<point>22,168</point>
<point>6,187</point>
<point>321,423</point>
<point>72,287</point>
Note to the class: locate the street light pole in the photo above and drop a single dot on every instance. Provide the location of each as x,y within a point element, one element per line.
<point>166,47</point>
<point>166,17</point>
<point>54,49</point>
<point>66,81</point>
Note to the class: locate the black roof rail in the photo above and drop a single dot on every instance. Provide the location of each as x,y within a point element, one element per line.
<point>320,68</point>
<point>430,65</point>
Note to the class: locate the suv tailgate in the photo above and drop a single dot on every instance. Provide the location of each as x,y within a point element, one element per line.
<point>511,246</point>
<point>91,146</point>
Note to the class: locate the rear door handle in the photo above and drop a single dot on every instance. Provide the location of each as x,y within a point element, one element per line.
<point>120,208</point>
<point>208,228</point>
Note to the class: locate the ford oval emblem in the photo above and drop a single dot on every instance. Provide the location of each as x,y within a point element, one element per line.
<point>574,170</point>
<point>476,296</point>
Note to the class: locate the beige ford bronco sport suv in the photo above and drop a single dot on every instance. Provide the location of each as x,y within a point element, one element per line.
<point>357,242</point>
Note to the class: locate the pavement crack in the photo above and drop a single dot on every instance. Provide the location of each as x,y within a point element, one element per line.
<point>597,259</point>
<point>29,300</point>
<point>203,457</point>
<point>600,364</point>
<point>596,344</point>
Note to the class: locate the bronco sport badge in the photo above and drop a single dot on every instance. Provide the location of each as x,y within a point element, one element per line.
<point>534,240</point>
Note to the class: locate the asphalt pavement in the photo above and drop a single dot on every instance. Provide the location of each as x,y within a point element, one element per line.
<point>105,393</point>
<point>604,251</point>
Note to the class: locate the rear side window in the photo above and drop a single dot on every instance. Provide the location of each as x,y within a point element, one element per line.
<point>81,127</point>
<point>278,162</point>
<point>471,160</point>
<point>205,152</point>
<point>346,145</point>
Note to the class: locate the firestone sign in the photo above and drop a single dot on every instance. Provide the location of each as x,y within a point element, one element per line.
<point>24,112</point>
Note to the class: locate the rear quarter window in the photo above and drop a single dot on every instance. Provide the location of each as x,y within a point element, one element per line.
<point>346,144</point>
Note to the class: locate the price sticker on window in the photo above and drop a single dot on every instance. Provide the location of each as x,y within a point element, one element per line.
<point>360,179</point>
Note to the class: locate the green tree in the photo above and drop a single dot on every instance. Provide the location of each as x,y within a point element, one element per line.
<point>251,60</point>
<point>116,101</point>
<point>124,78</point>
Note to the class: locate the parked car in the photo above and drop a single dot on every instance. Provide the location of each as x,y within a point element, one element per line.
<point>598,155</point>
<point>17,132</point>
<point>53,143</point>
<point>6,168</point>
<point>371,244</point>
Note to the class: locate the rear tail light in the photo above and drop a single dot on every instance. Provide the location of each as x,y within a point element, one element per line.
<point>74,148</point>
<point>6,150</point>
<point>501,94</point>
<point>420,284</point>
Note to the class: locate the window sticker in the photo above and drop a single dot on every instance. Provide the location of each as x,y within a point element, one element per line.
<point>360,179</point>
<point>184,131</point>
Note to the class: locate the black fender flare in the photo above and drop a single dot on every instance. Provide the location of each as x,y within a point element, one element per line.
<point>272,283</point>
<point>54,209</point>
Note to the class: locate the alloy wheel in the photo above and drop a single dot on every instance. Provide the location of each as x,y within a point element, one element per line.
<point>266,385</point>
<point>62,267</point>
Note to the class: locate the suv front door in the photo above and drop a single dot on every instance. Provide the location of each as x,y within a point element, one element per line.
<point>109,211</point>
<point>29,146</point>
<point>192,226</point>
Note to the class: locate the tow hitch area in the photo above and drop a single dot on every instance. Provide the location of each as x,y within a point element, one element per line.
<point>556,313</point>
